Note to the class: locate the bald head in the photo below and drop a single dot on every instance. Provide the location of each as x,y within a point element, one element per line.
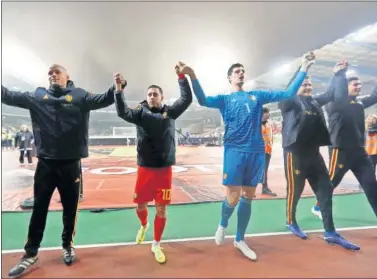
<point>57,75</point>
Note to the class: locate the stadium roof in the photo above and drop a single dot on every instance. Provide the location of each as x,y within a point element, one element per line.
<point>359,48</point>
<point>144,39</point>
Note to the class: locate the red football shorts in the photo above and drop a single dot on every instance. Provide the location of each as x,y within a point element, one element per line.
<point>153,184</point>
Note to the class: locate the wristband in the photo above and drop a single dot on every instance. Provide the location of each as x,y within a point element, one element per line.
<point>181,76</point>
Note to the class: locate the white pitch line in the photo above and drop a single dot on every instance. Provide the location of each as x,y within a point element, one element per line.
<point>188,194</point>
<point>184,240</point>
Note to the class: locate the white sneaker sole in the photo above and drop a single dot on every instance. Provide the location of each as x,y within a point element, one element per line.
<point>316,213</point>
<point>219,237</point>
<point>32,268</point>
<point>250,254</point>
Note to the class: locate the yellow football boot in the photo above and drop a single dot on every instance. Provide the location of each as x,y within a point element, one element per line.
<point>158,254</point>
<point>141,233</point>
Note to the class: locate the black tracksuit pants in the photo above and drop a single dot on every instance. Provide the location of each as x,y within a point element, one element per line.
<point>49,174</point>
<point>359,162</point>
<point>374,162</point>
<point>308,164</point>
<point>267,164</point>
<point>81,180</point>
<point>22,156</point>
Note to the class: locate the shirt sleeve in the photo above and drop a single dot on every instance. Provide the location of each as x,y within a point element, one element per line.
<point>210,102</point>
<point>271,96</point>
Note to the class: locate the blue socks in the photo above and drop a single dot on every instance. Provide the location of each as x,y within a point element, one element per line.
<point>226,212</point>
<point>243,214</point>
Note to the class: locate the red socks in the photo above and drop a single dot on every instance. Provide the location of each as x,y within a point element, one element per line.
<point>159,223</point>
<point>159,226</point>
<point>143,216</point>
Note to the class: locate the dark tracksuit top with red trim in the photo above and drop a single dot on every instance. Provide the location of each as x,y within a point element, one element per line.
<point>346,121</point>
<point>155,127</point>
<point>60,118</point>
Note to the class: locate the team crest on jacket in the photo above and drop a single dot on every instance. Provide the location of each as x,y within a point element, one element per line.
<point>253,98</point>
<point>165,115</point>
<point>68,98</point>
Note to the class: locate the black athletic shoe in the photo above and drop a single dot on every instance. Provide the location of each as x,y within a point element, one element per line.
<point>25,265</point>
<point>267,191</point>
<point>69,255</point>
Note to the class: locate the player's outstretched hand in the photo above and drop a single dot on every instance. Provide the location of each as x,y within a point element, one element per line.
<point>340,66</point>
<point>308,60</point>
<point>119,82</point>
<point>182,69</point>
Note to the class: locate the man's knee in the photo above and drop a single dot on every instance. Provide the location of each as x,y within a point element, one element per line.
<point>141,206</point>
<point>248,192</point>
<point>233,195</point>
<point>326,190</point>
<point>161,210</point>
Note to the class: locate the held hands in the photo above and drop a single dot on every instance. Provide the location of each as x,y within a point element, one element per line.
<point>307,61</point>
<point>340,66</point>
<point>182,69</point>
<point>119,82</point>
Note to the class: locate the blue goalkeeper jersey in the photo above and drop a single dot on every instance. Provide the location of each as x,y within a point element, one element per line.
<point>242,112</point>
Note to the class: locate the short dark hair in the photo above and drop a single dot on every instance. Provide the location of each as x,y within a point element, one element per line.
<point>232,67</point>
<point>156,87</point>
<point>266,110</point>
<point>352,79</point>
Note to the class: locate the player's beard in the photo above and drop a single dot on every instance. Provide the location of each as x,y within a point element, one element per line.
<point>308,92</point>
<point>355,93</point>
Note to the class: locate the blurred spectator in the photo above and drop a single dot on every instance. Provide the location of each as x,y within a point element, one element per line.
<point>24,140</point>
<point>268,143</point>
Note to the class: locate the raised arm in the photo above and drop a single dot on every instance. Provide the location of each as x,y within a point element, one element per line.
<point>17,99</point>
<point>210,102</point>
<point>132,115</point>
<point>337,91</point>
<point>184,101</point>
<point>371,99</point>
<point>98,101</point>
<point>287,105</point>
<point>271,96</point>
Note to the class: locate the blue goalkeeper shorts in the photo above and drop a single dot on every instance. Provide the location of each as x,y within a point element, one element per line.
<point>243,168</point>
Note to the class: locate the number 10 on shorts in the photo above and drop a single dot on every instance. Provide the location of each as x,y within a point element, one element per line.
<point>166,194</point>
